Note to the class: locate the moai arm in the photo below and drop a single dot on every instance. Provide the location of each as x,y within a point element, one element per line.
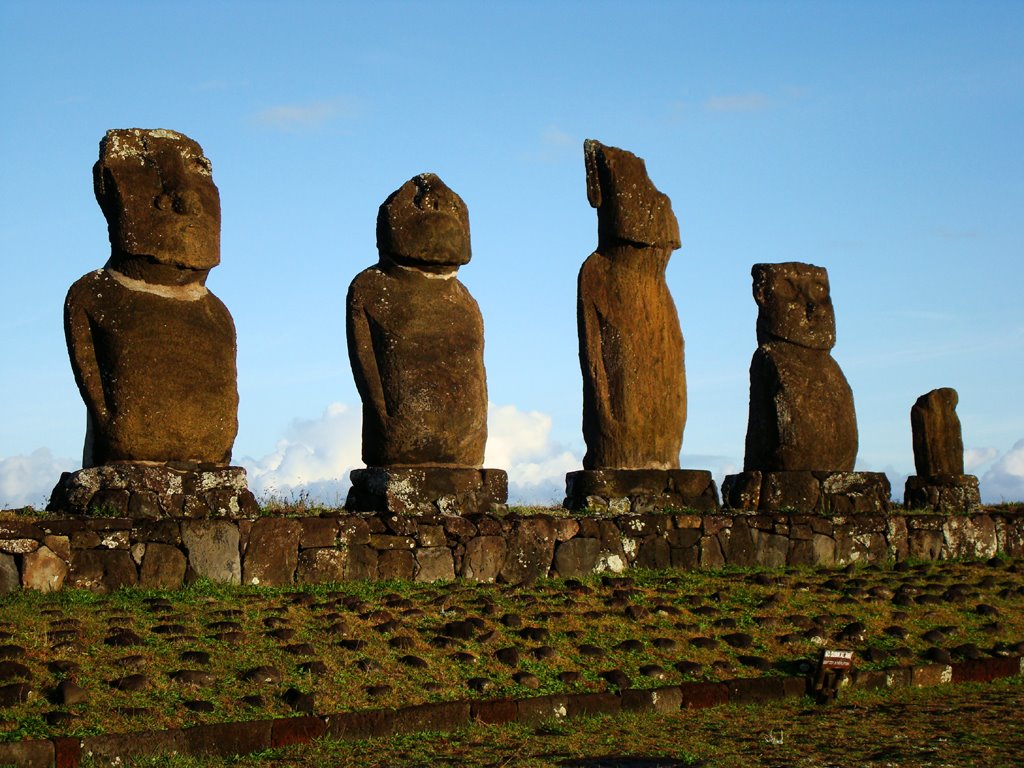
<point>362,354</point>
<point>78,332</point>
<point>592,352</point>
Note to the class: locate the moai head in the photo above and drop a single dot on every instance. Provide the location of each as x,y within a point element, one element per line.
<point>425,225</point>
<point>794,305</point>
<point>162,208</point>
<point>629,207</point>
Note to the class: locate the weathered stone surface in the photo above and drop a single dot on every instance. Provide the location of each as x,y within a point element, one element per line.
<point>102,570</point>
<point>484,558</point>
<point>938,440</point>
<point>396,564</point>
<point>801,406</point>
<point>44,570</point>
<point>631,347</point>
<point>168,491</point>
<point>9,578</point>
<point>427,490</point>
<point>434,564</point>
<point>531,548</point>
<point>577,557</point>
<point>641,490</point>
<point>163,567</point>
<point>272,553</point>
<point>942,493</point>
<point>153,351</point>
<point>845,493</point>
<point>212,547</point>
<point>320,565</point>
<point>799,491</point>
<point>415,335</point>
<point>837,493</point>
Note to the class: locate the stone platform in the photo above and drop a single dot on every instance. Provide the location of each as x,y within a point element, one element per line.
<point>838,493</point>
<point>104,554</point>
<point>942,493</point>
<point>427,490</point>
<point>620,491</point>
<point>154,491</point>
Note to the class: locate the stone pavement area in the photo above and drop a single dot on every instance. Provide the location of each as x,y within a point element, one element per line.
<point>74,663</point>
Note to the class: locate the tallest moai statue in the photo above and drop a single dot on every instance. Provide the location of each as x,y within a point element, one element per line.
<point>152,349</point>
<point>631,347</point>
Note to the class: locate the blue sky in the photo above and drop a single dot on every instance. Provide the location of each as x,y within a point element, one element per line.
<point>879,140</point>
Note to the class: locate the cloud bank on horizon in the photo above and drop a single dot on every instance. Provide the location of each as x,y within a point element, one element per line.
<point>312,460</point>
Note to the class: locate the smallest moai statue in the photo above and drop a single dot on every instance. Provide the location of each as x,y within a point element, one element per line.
<point>940,483</point>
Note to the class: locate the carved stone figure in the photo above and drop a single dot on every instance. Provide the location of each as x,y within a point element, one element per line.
<point>631,348</point>
<point>938,440</point>
<point>801,406</point>
<point>415,342</point>
<point>940,483</point>
<point>802,429</point>
<point>152,349</point>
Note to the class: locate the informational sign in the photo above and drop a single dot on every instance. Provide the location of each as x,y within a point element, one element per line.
<point>842,660</point>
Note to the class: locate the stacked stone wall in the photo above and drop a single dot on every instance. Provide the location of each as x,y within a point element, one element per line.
<point>103,554</point>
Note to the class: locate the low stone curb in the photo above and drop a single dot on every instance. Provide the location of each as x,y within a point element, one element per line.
<point>225,739</point>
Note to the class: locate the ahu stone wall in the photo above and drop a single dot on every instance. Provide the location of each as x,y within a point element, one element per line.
<point>103,554</point>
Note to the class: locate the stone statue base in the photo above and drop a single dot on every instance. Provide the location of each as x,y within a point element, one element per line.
<point>152,491</point>
<point>620,491</point>
<point>427,490</point>
<point>838,493</point>
<point>942,493</point>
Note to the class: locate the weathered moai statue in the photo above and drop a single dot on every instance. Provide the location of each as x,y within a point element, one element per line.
<point>801,406</point>
<point>416,343</point>
<point>152,349</point>
<point>631,348</point>
<point>801,441</point>
<point>940,483</point>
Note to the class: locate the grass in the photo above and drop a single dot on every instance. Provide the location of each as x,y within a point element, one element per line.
<point>346,644</point>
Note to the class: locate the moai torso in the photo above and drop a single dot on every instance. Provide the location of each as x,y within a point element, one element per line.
<point>801,406</point>
<point>631,347</point>
<point>938,440</point>
<point>153,351</point>
<point>415,336</point>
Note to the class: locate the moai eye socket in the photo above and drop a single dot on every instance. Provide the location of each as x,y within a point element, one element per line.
<point>187,202</point>
<point>163,202</point>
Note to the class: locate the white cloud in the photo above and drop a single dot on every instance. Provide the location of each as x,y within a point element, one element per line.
<point>740,102</point>
<point>28,480</point>
<point>1005,480</point>
<point>316,455</point>
<point>978,457</point>
<point>520,443</point>
<point>303,117</point>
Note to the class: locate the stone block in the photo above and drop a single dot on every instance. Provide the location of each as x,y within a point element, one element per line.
<point>845,493</point>
<point>590,704</point>
<point>794,490</point>
<point>361,563</point>
<point>321,565</point>
<point>654,552</point>
<point>37,753</point>
<point>413,490</point>
<point>661,700</point>
<point>942,493</point>
<point>286,731</point>
<point>272,553</point>
<point>431,536</point>
<point>711,555</point>
<point>318,532</point>
<point>530,551</point>
<point>163,567</point>
<point>925,545</point>
<point>494,711</point>
<point>770,549</point>
<point>59,545</point>
<point>43,570</point>
<point>212,547</point>
<point>540,709</point>
<point>443,716</point>
<point>742,491</point>
<point>484,558</point>
<point>577,557</point>
<point>102,570</point>
<point>228,739</point>
<point>10,580</point>
<point>702,695</point>
<point>396,564</point>
<point>365,724</point>
<point>434,564</point>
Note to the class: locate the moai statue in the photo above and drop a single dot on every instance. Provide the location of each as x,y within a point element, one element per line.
<point>801,406</point>
<point>152,349</point>
<point>801,441</point>
<point>416,343</point>
<point>631,348</point>
<point>940,483</point>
